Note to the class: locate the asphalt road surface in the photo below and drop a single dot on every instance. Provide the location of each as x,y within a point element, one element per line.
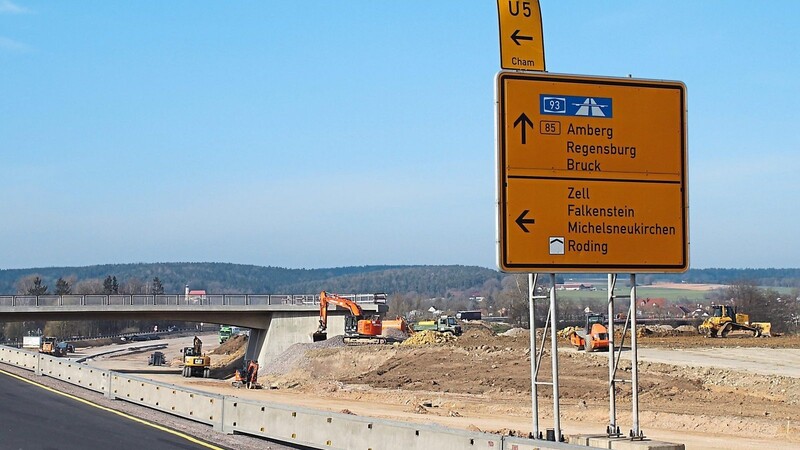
<point>35,417</point>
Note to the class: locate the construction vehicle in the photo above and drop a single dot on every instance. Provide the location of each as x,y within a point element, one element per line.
<point>50,346</point>
<point>444,324</point>
<point>247,376</point>
<point>195,363</point>
<point>225,333</point>
<point>593,336</point>
<point>725,319</point>
<point>356,326</point>
<point>399,323</point>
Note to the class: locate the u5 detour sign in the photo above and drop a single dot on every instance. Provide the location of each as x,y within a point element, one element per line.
<point>591,174</point>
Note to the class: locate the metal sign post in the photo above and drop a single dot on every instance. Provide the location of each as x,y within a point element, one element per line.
<point>635,432</point>
<point>532,279</point>
<point>536,357</point>
<point>612,429</point>
<point>554,357</point>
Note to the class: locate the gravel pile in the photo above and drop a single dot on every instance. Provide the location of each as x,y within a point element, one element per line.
<point>295,356</point>
<point>515,332</point>
<point>393,333</point>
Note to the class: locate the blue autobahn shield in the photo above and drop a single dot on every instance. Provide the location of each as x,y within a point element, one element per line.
<point>579,106</point>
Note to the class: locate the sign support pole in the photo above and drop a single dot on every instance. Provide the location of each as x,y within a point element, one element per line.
<point>532,279</point>
<point>612,393</point>
<point>635,432</point>
<point>554,358</point>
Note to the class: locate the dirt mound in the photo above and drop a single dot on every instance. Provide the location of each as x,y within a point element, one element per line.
<point>232,345</point>
<point>428,337</point>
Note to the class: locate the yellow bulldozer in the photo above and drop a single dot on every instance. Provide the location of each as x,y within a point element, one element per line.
<point>725,319</point>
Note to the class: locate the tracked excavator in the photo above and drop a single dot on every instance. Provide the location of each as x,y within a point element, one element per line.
<point>725,319</point>
<point>356,326</point>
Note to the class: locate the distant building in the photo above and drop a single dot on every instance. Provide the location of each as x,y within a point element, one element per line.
<point>575,287</point>
<point>195,296</point>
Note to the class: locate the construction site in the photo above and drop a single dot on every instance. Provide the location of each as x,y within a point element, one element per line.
<point>706,393</point>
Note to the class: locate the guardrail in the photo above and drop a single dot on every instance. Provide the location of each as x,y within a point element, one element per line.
<point>285,423</point>
<point>175,299</point>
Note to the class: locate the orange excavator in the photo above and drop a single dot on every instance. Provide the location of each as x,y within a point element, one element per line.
<point>356,326</point>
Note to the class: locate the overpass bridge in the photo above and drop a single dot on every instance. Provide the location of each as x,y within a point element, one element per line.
<point>276,321</point>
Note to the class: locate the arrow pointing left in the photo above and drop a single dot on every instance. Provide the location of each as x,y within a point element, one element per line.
<point>516,37</point>
<point>522,221</point>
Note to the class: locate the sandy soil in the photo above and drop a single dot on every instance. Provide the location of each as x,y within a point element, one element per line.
<point>693,390</point>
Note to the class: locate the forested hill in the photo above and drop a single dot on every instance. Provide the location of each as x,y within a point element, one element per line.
<point>219,278</point>
<point>433,281</point>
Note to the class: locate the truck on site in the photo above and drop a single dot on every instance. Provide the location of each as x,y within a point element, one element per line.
<point>443,324</point>
<point>50,346</point>
<point>724,319</point>
<point>225,333</point>
<point>469,315</point>
<point>593,336</point>
<point>195,362</point>
<point>356,325</point>
<point>228,331</point>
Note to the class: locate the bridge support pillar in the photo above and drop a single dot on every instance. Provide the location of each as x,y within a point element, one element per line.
<point>285,329</point>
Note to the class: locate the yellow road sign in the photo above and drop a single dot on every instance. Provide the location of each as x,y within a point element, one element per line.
<point>591,174</point>
<point>521,38</point>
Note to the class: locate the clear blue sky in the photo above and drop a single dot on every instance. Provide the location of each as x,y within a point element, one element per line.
<point>320,134</point>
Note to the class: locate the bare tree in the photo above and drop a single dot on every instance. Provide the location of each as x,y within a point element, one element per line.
<point>29,284</point>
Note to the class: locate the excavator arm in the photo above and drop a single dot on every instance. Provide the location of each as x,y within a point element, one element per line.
<point>326,298</point>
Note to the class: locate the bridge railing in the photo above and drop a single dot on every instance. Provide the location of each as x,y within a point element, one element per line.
<point>175,300</point>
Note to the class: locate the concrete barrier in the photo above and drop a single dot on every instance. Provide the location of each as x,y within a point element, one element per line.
<point>290,424</point>
<point>322,429</point>
<point>74,373</point>
<point>188,403</point>
<point>20,358</point>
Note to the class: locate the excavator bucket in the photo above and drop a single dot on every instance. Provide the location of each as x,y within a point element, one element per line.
<point>319,336</point>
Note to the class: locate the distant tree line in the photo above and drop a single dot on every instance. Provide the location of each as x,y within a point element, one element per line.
<point>34,285</point>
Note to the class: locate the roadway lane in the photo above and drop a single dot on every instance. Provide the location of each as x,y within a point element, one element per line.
<point>34,417</point>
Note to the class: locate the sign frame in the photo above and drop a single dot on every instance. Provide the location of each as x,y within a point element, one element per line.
<point>506,218</point>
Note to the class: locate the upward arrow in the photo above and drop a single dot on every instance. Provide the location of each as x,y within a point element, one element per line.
<point>525,122</point>
<point>516,37</point>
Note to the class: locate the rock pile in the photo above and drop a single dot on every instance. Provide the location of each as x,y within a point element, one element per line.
<point>515,332</point>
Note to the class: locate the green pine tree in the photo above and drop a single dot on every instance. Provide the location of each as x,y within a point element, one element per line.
<point>38,288</point>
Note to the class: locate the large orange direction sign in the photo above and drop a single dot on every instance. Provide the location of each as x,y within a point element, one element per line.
<point>591,174</point>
